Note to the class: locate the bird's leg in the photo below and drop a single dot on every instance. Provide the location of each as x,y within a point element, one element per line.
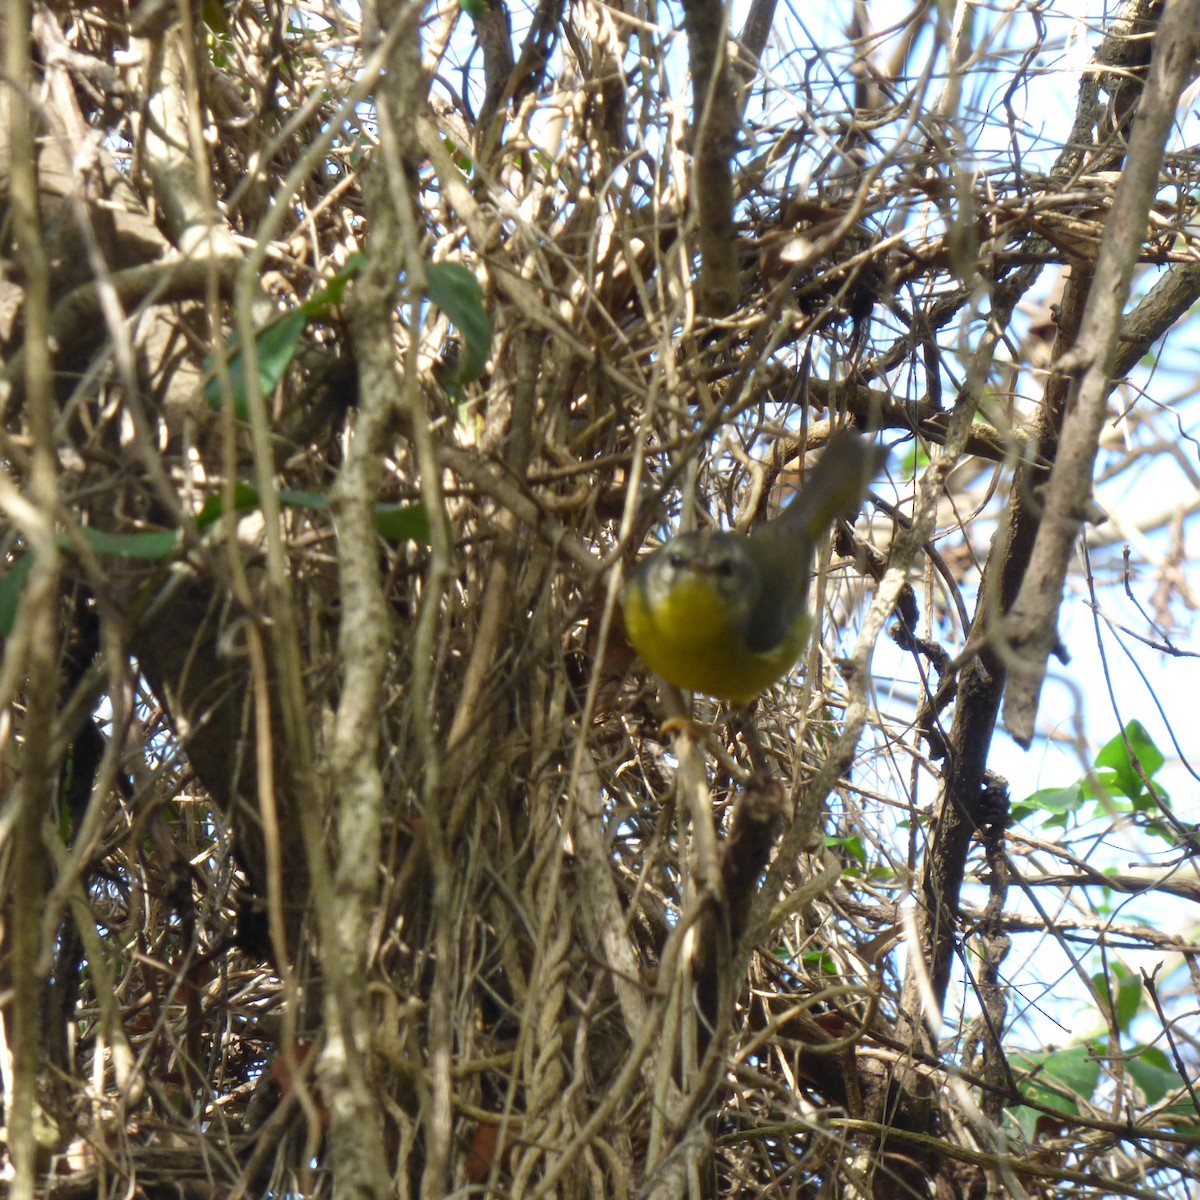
<point>680,724</point>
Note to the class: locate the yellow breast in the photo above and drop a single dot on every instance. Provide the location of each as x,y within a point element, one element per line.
<point>687,637</point>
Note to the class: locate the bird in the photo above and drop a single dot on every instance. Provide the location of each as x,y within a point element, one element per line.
<point>726,613</point>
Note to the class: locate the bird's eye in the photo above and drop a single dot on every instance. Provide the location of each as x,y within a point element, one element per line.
<point>676,560</point>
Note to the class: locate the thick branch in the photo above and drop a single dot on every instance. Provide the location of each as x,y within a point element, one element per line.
<point>714,136</point>
<point>1033,622</point>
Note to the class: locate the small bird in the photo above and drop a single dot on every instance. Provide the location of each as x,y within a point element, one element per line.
<point>726,613</point>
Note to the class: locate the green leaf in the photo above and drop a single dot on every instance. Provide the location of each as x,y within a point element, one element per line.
<point>276,345</point>
<point>821,961</point>
<point>456,291</point>
<point>1129,1000</point>
<point>1066,799</point>
<point>402,522</point>
<point>1163,831</point>
<point>1103,785</point>
<point>1059,1078</point>
<point>1119,758</point>
<point>1125,997</point>
<point>1025,1121</point>
<point>1186,1122</point>
<point>1147,803</point>
<point>462,160</point>
<point>1060,801</point>
<point>314,500</point>
<point>474,9</point>
<point>912,460</point>
<point>1151,1070</point>
<point>396,522</point>
<point>245,499</point>
<point>11,587</point>
<point>152,544</point>
<point>334,292</point>
<point>852,845</point>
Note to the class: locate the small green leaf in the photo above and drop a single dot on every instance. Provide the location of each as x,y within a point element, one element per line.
<point>1020,1123</point>
<point>152,544</point>
<point>1125,997</point>
<point>457,293</point>
<point>912,460</point>
<point>10,592</point>
<point>334,292</point>
<point>852,845</point>
<point>1103,785</point>
<point>1119,758</point>
<point>396,522</point>
<point>314,500</point>
<point>1151,1070</point>
<point>402,522</point>
<point>1059,1078</point>
<point>276,345</point>
<point>475,9</point>
<point>1185,1123</point>
<point>1060,801</point>
<point>245,499</point>
<point>1163,831</point>
<point>1066,799</point>
<point>462,160</point>
<point>1147,803</point>
<point>1129,996</point>
<point>819,960</point>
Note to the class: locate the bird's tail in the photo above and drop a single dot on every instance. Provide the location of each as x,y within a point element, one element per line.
<point>837,484</point>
